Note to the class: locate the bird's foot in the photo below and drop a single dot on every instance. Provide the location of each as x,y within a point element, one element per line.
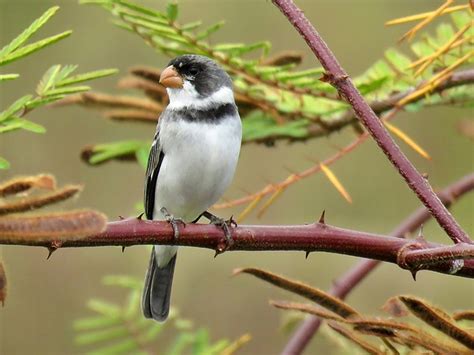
<point>226,226</point>
<point>173,221</point>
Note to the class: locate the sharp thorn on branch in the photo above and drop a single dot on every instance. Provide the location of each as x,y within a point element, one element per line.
<point>123,248</point>
<point>51,250</point>
<point>413,274</point>
<point>139,217</point>
<point>307,254</point>
<point>121,218</point>
<point>53,247</point>
<point>321,219</point>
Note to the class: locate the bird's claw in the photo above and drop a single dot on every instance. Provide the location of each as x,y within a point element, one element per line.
<point>226,225</point>
<point>173,221</point>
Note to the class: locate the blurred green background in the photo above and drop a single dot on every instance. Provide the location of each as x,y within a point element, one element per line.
<point>44,297</point>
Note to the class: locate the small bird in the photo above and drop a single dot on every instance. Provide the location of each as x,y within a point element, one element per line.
<point>191,163</point>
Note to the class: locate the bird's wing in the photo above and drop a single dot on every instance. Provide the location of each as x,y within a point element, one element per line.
<point>155,159</point>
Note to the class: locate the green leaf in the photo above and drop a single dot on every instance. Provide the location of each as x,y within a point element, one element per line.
<point>210,30</point>
<point>142,155</point>
<point>201,341</point>
<point>5,77</point>
<point>239,49</point>
<point>48,80</point>
<point>104,308</point>
<point>444,33</point>
<point>31,126</point>
<point>15,107</point>
<point>180,344</point>
<point>37,102</point>
<point>160,28</point>
<point>191,26</point>
<point>26,50</point>
<point>65,72</point>
<point>461,18</point>
<point>366,88</point>
<point>26,34</point>
<point>259,126</point>
<point>153,331</point>
<point>12,125</point>
<point>67,90</point>
<point>172,11</point>
<point>96,323</point>
<point>85,77</point>
<point>141,9</point>
<point>132,309</point>
<point>397,59</point>
<point>4,164</point>
<point>288,76</point>
<point>101,335</point>
<point>103,152</point>
<point>122,281</point>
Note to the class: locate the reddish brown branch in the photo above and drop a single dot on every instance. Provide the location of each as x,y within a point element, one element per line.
<point>336,75</point>
<point>308,238</point>
<point>347,282</point>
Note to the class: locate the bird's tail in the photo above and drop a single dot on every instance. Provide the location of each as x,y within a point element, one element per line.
<point>157,290</point>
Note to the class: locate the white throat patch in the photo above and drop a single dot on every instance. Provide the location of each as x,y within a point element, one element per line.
<point>189,97</point>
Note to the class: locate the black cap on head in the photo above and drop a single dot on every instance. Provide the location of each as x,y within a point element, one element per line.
<point>205,74</point>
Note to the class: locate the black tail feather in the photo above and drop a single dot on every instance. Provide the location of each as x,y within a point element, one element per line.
<point>157,291</point>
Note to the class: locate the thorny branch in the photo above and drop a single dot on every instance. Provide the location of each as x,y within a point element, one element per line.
<point>308,238</point>
<point>349,280</point>
<point>336,75</point>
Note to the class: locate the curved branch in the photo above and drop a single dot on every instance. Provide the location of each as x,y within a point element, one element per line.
<point>347,282</point>
<point>341,81</point>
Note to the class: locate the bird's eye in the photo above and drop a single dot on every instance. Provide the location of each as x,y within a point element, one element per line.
<point>193,71</point>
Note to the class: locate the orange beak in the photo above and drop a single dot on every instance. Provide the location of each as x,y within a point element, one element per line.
<point>170,78</point>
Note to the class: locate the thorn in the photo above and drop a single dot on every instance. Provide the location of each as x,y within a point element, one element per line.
<point>123,248</point>
<point>425,176</point>
<point>307,254</point>
<point>55,245</point>
<point>413,274</point>
<point>121,217</point>
<point>51,250</point>
<point>321,219</point>
<point>326,78</point>
<point>139,217</point>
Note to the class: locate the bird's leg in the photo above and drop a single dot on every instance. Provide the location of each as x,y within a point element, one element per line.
<point>173,221</point>
<point>224,224</point>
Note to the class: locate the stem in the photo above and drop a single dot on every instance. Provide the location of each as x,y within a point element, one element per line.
<point>340,80</point>
<point>308,238</point>
<point>348,281</point>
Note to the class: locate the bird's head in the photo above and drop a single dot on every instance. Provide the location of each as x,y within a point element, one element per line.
<point>190,79</point>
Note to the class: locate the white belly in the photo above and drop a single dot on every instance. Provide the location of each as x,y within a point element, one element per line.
<point>198,166</point>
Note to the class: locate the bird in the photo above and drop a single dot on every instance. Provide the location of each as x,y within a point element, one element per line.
<point>192,162</point>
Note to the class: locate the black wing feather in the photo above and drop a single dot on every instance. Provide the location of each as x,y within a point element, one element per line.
<point>152,170</point>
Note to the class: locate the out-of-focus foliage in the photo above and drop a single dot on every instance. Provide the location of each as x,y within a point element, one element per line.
<point>25,194</point>
<point>276,100</point>
<point>440,332</point>
<point>28,193</point>
<point>56,83</point>
<point>122,329</point>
